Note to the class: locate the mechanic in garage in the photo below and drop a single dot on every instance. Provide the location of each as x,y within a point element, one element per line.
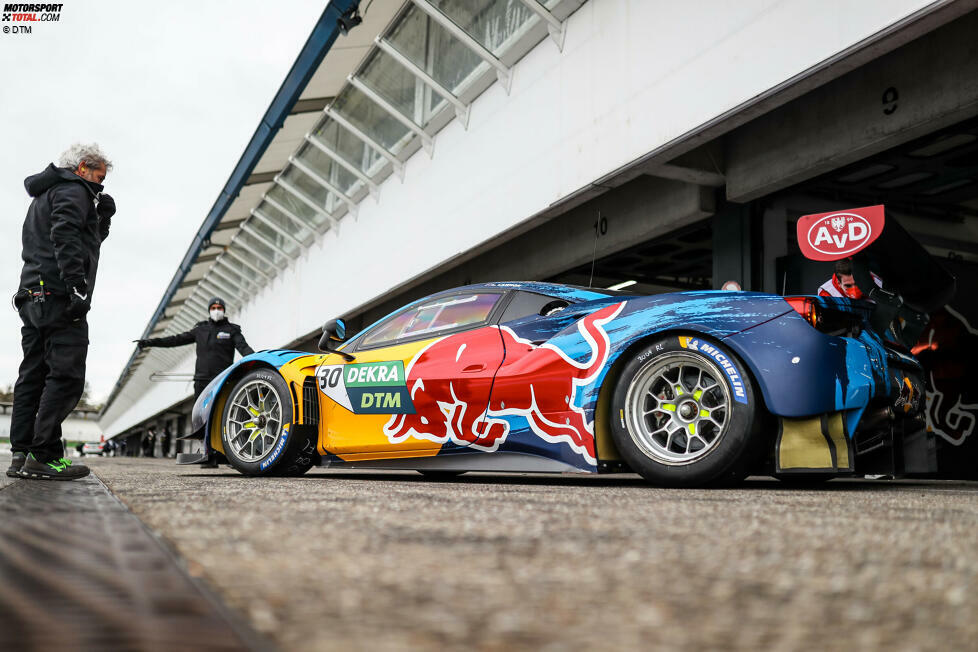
<point>66,223</point>
<point>843,284</point>
<point>216,339</point>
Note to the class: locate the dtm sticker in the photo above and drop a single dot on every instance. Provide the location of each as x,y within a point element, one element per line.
<point>279,447</point>
<point>368,387</point>
<point>733,376</point>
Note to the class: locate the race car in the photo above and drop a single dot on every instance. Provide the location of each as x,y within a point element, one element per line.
<point>686,389</point>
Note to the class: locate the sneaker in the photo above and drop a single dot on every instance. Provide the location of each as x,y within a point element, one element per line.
<point>61,469</point>
<point>16,464</point>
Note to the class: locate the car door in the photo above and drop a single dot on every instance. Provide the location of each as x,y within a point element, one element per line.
<point>420,379</point>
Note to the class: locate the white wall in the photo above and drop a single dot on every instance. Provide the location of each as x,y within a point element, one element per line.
<point>633,75</point>
<point>73,428</point>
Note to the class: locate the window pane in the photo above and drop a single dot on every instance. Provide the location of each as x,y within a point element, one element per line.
<point>490,22</point>
<point>435,316</point>
<point>242,251</point>
<point>393,82</point>
<point>248,243</point>
<point>273,236</point>
<point>370,118</point>
<point>449,61</point>
<point>327,168</point>
<point>349,147</point>
<point>284,222</point>
<point>235,272</point>
<point>298,208</point>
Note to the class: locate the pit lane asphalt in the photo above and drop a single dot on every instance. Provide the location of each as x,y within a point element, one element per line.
<point>391,561</point>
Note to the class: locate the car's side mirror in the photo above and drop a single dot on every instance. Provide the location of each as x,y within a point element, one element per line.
<point>334,332</point>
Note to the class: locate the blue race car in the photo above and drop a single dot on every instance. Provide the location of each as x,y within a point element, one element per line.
<point>686,389</point>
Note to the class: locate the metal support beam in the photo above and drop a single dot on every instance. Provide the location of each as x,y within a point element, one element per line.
<point>221,274</point>
<point>305,199</point>
<point>218,289</point>
<point>318,178</point>
<point>261,217</point>
<point>255,233</point>
<point>554,26</point>
<point>426,140</point>
<point>503,72</point>
<point>687,174</point>
<point>222,287</point>
<point>247,263</point>
<point>349,167</point>
<point>461,108</point>
<point>395,162</point>
<point>227,268</point>
<point>257,254</point>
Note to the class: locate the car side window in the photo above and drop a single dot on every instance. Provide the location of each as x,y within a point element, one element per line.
<point>526,304</point>
<point>434,317</point>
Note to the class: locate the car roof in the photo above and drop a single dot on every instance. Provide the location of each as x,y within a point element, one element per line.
<point>569,292</point>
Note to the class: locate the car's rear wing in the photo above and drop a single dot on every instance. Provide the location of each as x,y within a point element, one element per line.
<point>914,282</point>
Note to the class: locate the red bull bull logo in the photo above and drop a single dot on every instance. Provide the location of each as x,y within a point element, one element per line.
<point>540,384</point>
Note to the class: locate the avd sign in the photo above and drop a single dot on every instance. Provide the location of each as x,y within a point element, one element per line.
<point>835,235</point>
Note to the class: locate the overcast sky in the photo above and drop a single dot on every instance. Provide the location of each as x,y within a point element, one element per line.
<point>172,91</point>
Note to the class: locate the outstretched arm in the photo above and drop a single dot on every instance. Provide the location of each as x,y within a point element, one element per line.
<point>173,340</point>
<point>240,344</point>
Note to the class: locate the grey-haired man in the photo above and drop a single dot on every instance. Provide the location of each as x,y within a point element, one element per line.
<point>66,223</point>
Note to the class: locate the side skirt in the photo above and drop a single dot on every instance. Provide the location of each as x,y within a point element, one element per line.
<point>505,462</point>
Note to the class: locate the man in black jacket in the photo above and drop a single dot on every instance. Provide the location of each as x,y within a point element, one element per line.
<point>66,223</point>
<point>216,340</point>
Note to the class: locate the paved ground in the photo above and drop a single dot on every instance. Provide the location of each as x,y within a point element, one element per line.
<point>340,560</point>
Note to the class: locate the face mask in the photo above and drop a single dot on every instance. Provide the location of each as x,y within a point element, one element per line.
<point>217,315</point>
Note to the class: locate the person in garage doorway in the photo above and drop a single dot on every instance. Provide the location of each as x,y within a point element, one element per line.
<point>216,340</point>
<point>843,284</point>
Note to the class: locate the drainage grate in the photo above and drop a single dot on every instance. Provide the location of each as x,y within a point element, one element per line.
<point>78,571</point>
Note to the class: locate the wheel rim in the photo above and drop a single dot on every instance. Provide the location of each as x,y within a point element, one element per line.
<point>254,421</point>
<point>677,408</point>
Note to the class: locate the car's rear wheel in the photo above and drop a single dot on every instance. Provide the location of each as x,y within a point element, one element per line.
<point>257,428</point>
<point>685,414</point>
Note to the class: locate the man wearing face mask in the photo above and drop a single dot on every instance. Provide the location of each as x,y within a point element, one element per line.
<point>216,339</point>
<point>67,221</point>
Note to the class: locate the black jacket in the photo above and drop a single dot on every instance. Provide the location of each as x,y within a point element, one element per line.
<point>62,233</point>
<point>216,342</point>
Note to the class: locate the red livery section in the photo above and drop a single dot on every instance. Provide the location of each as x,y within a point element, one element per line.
<point>455,401</point>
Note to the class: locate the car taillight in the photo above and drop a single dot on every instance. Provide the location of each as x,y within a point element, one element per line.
<point>827,319</point>
<point>804,306</point>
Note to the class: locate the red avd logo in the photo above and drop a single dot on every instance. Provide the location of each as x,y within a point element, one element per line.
<point>835,235</point>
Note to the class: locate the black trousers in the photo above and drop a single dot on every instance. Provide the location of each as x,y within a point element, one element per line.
<point>200,385</point>
<point>51,377</point>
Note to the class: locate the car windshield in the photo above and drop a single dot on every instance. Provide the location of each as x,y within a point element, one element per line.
<point>431,317</point>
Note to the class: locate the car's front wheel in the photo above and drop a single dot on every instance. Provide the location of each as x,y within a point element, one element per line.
<point>685,414</point>
<point>257,428</point>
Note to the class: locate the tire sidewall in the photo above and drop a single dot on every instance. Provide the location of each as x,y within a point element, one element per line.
<point>285,455</point>
<point>727,460</point>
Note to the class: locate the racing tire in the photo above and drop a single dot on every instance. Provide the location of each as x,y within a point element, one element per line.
<point>685,414</point>
<point>258,432</point>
